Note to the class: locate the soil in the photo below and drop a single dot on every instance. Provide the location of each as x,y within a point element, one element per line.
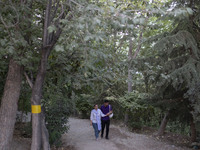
<point>81,137</point>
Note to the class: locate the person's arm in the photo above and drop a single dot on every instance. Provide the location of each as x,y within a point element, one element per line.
<point>103,115</point>
<point>91,118</point>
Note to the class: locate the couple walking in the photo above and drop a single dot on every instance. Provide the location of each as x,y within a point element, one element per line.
<point>100,118</point>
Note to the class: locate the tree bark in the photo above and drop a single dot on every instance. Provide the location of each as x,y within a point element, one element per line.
<point>38,85</point>
<point>130,57</point>
<point>163,124</point>
<point>130,80</point>
<point>49,40</point>
<point>36,100</point>
<point>9,105</point>
<point>45,134</point>
<point>146,82</point>
<point>126,117</point>
<point>193,131</point>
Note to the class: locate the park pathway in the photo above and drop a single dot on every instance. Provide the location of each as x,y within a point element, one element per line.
<point>81,136</point>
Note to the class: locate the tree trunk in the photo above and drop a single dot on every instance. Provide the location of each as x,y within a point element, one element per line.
<point>36,100</point>
<point>130,80</point>
<point>49,40</point>
<point>163,124</point>
<point>130,57</point>
<point>146,82</point>
<point>38,85</point>
<point>126,117</point>
<point>9,105</point>
<point>45,134</point>
<point>193,131</point>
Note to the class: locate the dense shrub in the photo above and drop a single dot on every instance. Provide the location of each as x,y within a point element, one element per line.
<point>56,118</point>
<point>84,107</point>
<point>57,110</point>
<point>146,116</point>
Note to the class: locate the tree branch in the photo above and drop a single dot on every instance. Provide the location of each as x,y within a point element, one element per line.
<point>76,3</point>
<point>2,20</point>
<point>139,43</point>
<point>28,80</point>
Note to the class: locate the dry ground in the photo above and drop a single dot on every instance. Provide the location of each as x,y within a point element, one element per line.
<point>81,137</point>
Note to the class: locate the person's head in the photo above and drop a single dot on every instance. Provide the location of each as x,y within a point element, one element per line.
<point>96,106</point>
<point>106,102</point>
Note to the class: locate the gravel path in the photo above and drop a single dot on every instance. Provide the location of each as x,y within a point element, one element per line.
<point>81,136</point>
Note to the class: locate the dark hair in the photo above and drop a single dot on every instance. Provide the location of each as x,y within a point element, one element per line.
<point>106,101</point>
<point>95,105</point>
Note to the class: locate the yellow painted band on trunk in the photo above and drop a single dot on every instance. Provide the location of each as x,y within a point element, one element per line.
<point>36,109</point>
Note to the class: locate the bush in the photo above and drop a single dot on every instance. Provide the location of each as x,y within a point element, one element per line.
<point>57,111</point>
<point>56,118</point>
<point>146,116</point>
<point>84,107</point>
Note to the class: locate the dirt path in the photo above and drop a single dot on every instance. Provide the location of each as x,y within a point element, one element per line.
<point>81,136</point>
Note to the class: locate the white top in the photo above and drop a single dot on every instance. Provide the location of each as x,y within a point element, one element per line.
<point>93,116</point>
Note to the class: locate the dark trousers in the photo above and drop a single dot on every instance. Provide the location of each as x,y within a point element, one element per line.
<point>103,124</point>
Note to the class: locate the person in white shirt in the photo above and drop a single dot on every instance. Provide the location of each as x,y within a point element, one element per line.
<point>95,120</point>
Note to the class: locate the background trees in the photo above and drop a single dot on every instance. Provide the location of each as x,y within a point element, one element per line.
<point>82,49</point>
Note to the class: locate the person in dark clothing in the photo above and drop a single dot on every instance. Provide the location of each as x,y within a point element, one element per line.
<point>105,121</point>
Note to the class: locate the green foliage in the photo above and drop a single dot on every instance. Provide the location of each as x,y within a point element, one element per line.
<point>57,98</point>
<point>24,103</point>
<point>146,116</point>
<point>89,62</point>
<point>84,106</point>
<point>57,111</point>
<point>177,126</point>
<point>3,73</point>
<point>174,65</point>
<point>132,100</point>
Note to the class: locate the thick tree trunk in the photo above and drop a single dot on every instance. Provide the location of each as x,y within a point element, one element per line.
<point>9,105</point>
<point>163,124</point>
<point>193,131</point>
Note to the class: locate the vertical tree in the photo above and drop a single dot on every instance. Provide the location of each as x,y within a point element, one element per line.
<point>52,18</point>
<point>9,102</point>
<point>11,47</point>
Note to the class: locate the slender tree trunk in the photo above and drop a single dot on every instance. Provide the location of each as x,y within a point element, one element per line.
<point>130,80</point>
<point>38,85</point>
<point>146,78</point>
<point>45,134</point>
<point>9,105</point>
<point>130,57</point>
<point>36,100</point>
<point>193,131</point>
<point>163,124</point>
<point>49,40</point>
<point>126,117</point>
